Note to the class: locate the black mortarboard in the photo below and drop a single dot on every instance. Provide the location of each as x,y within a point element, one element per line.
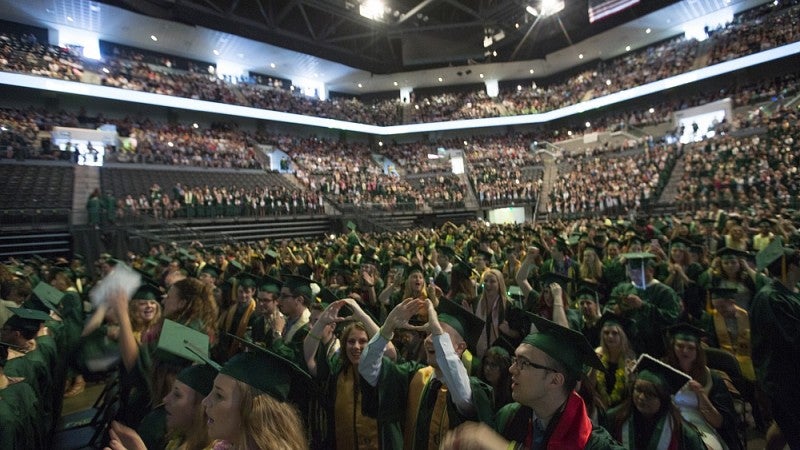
<point>486,255</point>
<point>468,325</point>
<point>666,377</point>
<point>732,252</point>
<point>210,270</point>
<point>563,344</point>
<point>447,251</point>
<point>299,284</point>
<point>680,242</point>
<point>247,280</point>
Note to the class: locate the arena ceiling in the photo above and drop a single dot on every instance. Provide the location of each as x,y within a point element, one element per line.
<point>416,43</point>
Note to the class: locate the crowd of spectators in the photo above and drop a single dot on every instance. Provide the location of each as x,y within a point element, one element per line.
<point>613,185</point>
<point>346,174</point>
<point>767,27</point>
<point>191,202</point>
<point>498,187</point>
<point>442,190</point>
<point>728,170</point>
<point>413,157</point>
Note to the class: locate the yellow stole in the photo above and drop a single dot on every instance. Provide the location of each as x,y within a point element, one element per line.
<point>353,429</point>
<point>742,348</point>
<point>241,327</point>
<point>439,421</point>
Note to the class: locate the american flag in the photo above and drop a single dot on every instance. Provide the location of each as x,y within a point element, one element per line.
<point>599,9</point>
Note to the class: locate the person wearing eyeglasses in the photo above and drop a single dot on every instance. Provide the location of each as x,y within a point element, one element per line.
<point>547,413</point>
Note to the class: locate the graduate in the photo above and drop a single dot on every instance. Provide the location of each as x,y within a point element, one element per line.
<point>547,413</point>
<point>430,399</point>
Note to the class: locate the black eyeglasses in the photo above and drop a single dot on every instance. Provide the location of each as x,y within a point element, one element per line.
<point>521,364</point>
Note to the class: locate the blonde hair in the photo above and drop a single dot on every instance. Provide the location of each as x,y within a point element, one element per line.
<point>268,423</point>
<point>139,326</point>
<point>501,286</point>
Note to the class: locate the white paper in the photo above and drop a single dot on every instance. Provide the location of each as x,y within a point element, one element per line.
<point>122,277</point>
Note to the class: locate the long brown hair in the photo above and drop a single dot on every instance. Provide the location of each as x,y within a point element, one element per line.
<point>698,371</point>
<point>627,409</point>
<point>268,423</point>
<point>196,436</point>
<point>199,304</point>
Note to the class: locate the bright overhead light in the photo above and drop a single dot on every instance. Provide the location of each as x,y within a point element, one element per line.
<point>487,41</point>
<point>651,110</point>
<point>481,75</point>
<point>550,7</point>
<point>648,31</point>
<point>153,37</point>
<point>531,71</point>
<point>360,85</point>
<point>395,83</point>
<point>627,48</point>
<point>105,70</point>
<point>195,125</point>
<point>440,79</point>
<point>272,65</point>
<point>588,125</point>
<point>580,56</point>
<point>372,9</point>
<point>70,19</point>
<point>216,52</point>
<point>531,10</point>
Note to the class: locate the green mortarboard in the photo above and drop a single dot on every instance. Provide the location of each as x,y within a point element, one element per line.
<point>586,293</point>
<point>234,268</point>
<point>164,259</point>
<point>680,242</point>
<point>30,314</point>
<point>772,252</point>
<point>48,295</point>
<point>553,277</point>
<point>765,222</point>
<point>467,325</point>
<point>175,338</point>
<point>150,261</point>
<point>668,378</point>
<point>327,296</point>
<point>574,239</point>
<point>199,377</point>
<point>686,332</point>
<point>270,284</point>
<point>514,291</point>
<point>147,291</point>
<point>247,280</point>
<point>723,293</point>
<point>610,318</point>
<point>185,255</point>
<point>65,270</point>
<point>563,344</point>
<point>296,283</point>
<point>638,257</point>
<point>270,255</point>
<point>263,369</point>
<point>732,252</point>
<point>350,225</point>
<point>210,270</point>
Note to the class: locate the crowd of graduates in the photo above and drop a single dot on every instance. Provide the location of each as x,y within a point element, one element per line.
<point>649,333</point>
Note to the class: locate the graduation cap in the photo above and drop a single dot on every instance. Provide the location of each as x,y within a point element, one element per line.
<point>552,277</point>
<point>247,280</point>
<point>638,257</point>
<point>298,284</point>
<point>26,319</point>
<point>415,268</point>
<point>609,318</point>
<point>563,344</point>
<point>183,342</point>
<point>728,252</point>
<point>65,270</point>
<point>486,255</point>
<point>350,225</point>
<point>771,253</point>
<point>234,268</point>
<point>264,370</point>
<point>212,271</point>
<point>463,268</point>
<point>685,332</point>
<point>680,243</point>
<point>48,295</point>
<point>327,296</point>
<point>270,284</point>
<point>147,291</point>
<point>199,377</point>
<point>467,325</point>
<point>270,256</point>
<point>664,376</point>
<point>765,222</point>
<point>585,292</point>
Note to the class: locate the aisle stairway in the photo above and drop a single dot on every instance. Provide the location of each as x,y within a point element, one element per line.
<point>549,178</point>
<point>671,188</point>
<point>87,179</point>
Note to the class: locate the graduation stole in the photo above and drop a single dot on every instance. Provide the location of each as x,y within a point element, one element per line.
<point>424,423</point>
<point>243,322</point>
<point>573,428</point>
<point>742,348</point>
<point>662,437</point>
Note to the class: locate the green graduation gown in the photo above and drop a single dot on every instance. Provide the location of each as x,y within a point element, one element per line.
<point>659,310</point>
